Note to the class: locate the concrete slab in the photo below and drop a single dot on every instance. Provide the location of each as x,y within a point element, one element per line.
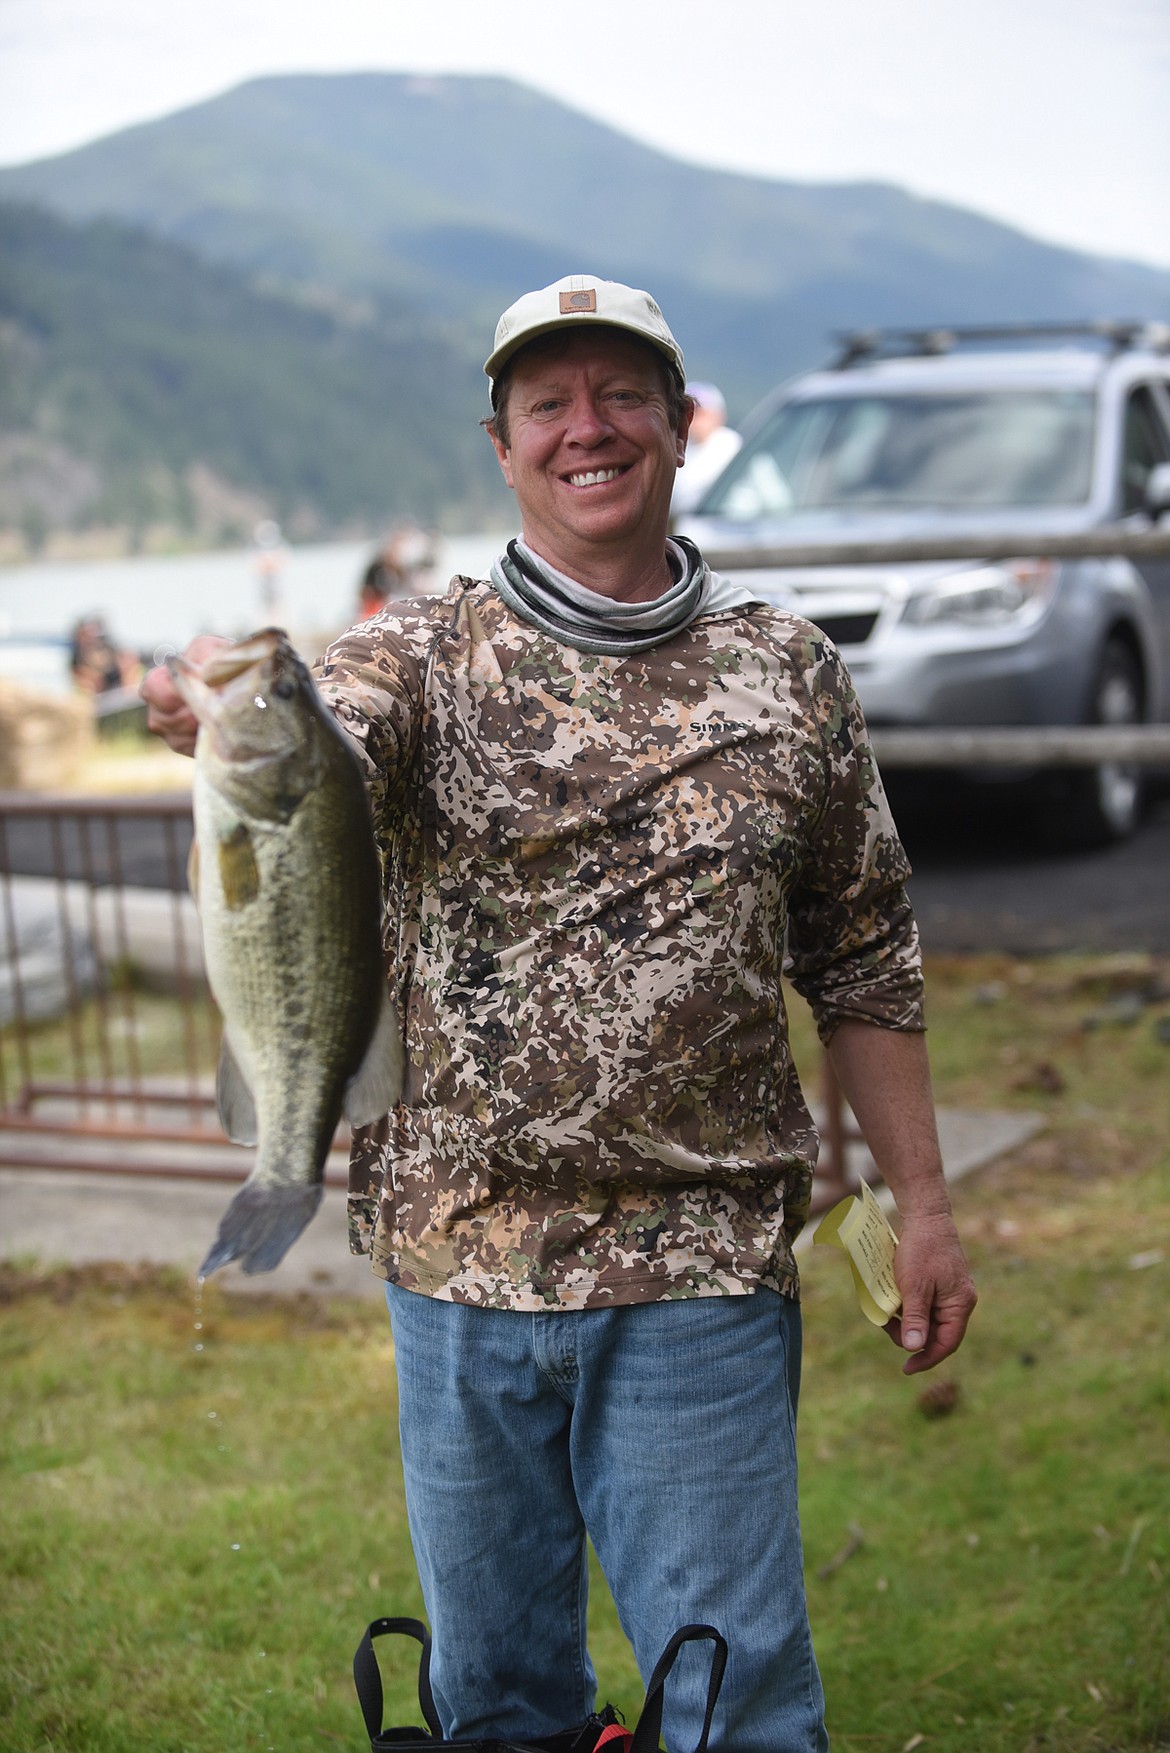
<point>74,1216</point>
<point>66,1216</point>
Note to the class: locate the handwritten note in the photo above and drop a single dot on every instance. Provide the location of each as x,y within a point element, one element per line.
<point>859,1226</point>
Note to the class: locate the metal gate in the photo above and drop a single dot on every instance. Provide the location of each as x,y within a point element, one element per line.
<point>108,1035</point>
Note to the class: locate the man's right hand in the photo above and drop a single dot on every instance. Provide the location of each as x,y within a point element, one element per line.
<point>167,713</point>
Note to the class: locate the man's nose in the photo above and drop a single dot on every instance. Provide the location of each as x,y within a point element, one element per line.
<point>587,423</point>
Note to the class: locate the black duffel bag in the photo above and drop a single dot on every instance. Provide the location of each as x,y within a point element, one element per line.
<point>602,1730</point>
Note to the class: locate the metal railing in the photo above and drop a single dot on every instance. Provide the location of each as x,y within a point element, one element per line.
<point>108,1036</point>
<point>71,917</point>
<point>1053,745</point>
<point>108,958</point>
<point>109,1106</point>
<point>1107,540</point>
<point>79,943</point>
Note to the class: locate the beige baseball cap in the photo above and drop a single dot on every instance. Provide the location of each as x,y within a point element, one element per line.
<point>576,300</point>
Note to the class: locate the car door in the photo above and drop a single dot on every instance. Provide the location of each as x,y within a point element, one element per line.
<point>1145,444</point>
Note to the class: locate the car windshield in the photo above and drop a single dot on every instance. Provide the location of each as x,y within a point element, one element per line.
<point>951,452</point>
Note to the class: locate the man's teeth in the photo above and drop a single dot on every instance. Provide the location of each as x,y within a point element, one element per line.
<point>592,477</point>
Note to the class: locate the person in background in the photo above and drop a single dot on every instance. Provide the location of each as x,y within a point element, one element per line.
<point>711,444</point>
<point>270,555</point>
<point>402,567</point>
<point>617,797</point>
<point>380,582</point>
<point>97,663</point>
<point>411,550</point>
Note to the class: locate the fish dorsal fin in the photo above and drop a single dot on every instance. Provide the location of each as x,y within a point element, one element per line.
<point>378,1084</point>
<point>233,1098</point>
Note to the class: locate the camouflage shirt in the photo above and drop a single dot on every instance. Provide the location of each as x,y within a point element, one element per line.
<point>596,869</point>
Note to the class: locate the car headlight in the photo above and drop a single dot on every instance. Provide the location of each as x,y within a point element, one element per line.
<point>985,596</point>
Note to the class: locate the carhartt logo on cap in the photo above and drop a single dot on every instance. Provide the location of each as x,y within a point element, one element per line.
<point>574,301</point>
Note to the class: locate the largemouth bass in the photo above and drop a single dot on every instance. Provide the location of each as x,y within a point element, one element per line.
<point>286,879</point>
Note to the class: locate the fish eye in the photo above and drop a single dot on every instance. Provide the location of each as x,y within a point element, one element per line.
<point>285,688</point>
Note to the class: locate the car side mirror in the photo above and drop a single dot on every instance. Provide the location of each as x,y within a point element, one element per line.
<point>1157,491</point>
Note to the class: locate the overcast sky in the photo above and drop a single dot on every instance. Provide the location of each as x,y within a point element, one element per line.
<point>1051,114</point>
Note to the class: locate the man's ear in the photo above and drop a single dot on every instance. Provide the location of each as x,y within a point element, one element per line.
<point>684,427</point>
<point>502,455</point>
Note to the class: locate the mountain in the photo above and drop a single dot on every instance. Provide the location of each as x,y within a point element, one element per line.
<point>146,389</point>
<point>389,204</point>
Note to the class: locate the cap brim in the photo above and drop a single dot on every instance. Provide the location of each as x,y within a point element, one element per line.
<point>496,361</point>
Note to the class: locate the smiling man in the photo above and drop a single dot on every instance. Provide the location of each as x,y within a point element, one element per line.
<point>590,430</point>
<point>615,798</point>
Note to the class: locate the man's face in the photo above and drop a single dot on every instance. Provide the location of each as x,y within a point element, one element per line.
<point>591,451</point>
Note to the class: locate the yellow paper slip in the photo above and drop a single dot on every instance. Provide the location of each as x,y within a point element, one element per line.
<point>859,1226</point>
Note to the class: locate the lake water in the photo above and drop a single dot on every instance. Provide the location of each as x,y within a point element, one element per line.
<point>156,605</point>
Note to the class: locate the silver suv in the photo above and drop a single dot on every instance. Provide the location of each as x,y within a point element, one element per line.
<point>1027,432</point>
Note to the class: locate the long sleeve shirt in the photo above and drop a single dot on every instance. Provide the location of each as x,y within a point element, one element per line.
<point>597,870</point>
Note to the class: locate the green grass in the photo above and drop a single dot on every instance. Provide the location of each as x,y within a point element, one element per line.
<point>125,1034</point>
<point>191,1542</point>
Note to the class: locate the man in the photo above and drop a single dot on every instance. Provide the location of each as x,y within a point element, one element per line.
<point>711,444</point>
<point>613,793</point>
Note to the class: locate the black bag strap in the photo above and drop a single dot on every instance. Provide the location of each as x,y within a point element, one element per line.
<point>650,1722</point>
<point>368,1679</point>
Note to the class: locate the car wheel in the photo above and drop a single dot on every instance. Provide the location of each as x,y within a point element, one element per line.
<point>1103,804</point>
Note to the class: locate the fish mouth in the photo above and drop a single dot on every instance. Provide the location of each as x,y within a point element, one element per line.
<point>226,666</point>
<point>223,691</point>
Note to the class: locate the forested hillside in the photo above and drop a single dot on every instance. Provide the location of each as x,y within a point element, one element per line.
<point>144,388</point>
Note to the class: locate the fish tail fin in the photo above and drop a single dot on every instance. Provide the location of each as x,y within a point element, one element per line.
<point>261,1224</point>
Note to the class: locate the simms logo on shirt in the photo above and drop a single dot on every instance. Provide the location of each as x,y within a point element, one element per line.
<point>574,301</point>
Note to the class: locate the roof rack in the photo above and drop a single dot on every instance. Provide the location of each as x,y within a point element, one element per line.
<point>1120,335</point>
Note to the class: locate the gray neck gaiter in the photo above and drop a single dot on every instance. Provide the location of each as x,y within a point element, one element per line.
<point>588,621</point>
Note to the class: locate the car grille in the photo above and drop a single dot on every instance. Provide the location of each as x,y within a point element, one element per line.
<point>846,629</point>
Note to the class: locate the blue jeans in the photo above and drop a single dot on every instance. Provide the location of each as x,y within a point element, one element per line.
<point>667,1433</point>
